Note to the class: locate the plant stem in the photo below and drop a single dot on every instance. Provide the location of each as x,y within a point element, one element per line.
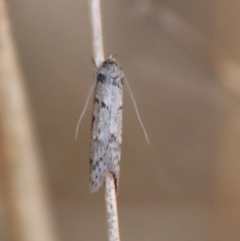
<point>97,39</point>
<point>111,206</point>
<point>23,194</point>
<point>98,53</point>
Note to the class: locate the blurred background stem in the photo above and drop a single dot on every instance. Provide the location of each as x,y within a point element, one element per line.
<point>24,202</point>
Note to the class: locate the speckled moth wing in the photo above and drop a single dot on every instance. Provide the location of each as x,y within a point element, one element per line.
<point>106,124</point>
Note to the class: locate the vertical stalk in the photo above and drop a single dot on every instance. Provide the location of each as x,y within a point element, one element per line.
<point>98,52</point>
<point>97,38</point>
<point>25,208</point>
<point>111,206</point>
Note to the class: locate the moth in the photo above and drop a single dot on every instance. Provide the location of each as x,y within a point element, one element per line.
<point>106,128</point>
<point>106,133</point>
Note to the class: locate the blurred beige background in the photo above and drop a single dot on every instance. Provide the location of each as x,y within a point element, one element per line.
<point>182,61</point>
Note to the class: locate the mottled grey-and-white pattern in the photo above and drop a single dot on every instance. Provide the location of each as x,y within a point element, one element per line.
<point>106,124</point>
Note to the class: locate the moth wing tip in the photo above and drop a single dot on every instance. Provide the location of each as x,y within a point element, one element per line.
<point>93,189</point>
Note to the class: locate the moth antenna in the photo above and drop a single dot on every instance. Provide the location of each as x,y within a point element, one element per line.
<point>136,109</point>
<point>83,112</point>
